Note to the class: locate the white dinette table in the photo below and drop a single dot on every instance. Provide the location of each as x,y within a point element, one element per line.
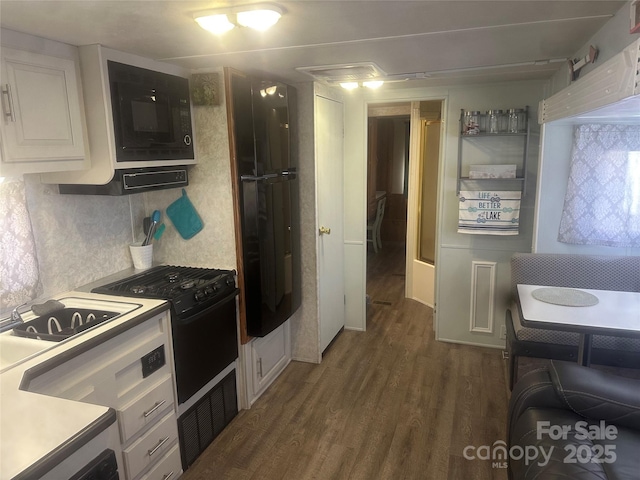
<point>615,313</point>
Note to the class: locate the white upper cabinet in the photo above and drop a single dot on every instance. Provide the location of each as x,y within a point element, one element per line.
<point>610,93</point>
<point>42,120</point>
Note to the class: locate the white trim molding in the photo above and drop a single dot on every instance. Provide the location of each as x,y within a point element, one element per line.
<point>483,285</point>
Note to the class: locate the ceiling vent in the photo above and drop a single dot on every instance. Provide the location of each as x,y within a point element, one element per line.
<point>348,72</point>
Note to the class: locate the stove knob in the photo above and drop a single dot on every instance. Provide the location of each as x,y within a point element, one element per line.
<point>209,290</point>
<point>216,287</point>
<point>199,295</point>
<point>231,281</point>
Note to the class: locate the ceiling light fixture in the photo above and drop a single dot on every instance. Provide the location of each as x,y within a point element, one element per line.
<point>260,20</point>
<point>257,16</point>
<point>349,85</point>
<point>372,84</point>
<point>216,24</point>
<point>268,90</point>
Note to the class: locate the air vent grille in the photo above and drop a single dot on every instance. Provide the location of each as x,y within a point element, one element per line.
<point>202,423</point>
<point>351,72</point>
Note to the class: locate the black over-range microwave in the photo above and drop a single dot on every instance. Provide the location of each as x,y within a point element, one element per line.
<point>151,114</point>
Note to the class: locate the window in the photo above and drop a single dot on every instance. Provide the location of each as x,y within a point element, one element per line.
<point>18,262</point>
<point>602,204</point>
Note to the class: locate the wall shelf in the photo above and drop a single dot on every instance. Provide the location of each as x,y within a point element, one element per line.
<point>515,155</point>
<point>501,134</point>
<point>515,179</point>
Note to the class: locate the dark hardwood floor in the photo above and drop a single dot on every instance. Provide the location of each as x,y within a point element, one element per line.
<point>388,403</point>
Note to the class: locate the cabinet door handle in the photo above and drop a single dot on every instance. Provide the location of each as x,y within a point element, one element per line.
<point>155,407</point>
<point>168,476</point>
<point>160,443</point>
<point>8,110</point>
<point>324,230</point>
<point>260,367</point>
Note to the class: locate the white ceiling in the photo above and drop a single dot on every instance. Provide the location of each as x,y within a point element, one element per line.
<point>476,40</point>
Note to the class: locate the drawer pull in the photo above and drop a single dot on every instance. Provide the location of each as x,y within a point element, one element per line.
<point>155,407</point>
<point>160,443</point>
<point>167,476</point>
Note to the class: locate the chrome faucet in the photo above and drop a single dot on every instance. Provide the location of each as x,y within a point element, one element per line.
<point>15,314</point>
<point>15,319</point>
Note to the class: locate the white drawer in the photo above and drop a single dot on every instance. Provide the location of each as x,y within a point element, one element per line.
<point>149,448</point>
<point>169,468</point>
<point>145,408</point>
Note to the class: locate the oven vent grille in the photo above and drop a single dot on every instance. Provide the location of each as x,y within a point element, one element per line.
<point>203,422</point>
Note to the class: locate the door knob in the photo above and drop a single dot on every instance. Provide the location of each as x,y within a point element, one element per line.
<point>324,230</point>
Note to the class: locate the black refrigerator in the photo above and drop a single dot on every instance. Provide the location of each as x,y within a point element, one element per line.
<point>264,127</point>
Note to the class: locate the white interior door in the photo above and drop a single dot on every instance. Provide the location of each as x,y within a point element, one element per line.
<point>329,134</point>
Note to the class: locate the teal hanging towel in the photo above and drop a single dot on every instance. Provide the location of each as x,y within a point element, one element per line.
<point>184,216</point>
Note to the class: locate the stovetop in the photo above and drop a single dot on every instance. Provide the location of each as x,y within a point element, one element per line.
<point>184,286</point>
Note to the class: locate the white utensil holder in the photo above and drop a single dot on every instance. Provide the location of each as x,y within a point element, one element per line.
<point>142,256</point>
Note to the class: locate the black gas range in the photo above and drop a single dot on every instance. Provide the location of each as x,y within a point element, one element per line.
<point>205,345</point>
<point>187,288</point>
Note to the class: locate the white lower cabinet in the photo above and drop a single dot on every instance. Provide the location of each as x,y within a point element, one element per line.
<point>267,358</point>
<point>146,449</point>
<point>112,374</point>
<point>145,408</point>
<point>168,467</point>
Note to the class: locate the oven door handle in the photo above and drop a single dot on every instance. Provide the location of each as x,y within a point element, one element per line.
<point>192,316</point>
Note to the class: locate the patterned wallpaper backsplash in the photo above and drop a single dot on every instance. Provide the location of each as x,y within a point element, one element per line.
<point>79,238</point>
<point>82,238</point>
<point>210,192</point>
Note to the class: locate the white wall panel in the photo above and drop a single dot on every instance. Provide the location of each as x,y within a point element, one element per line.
<point>355,289</point>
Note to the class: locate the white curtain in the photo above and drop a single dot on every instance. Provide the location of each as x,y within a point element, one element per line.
<point>602,204</point>
<point>18,262</point>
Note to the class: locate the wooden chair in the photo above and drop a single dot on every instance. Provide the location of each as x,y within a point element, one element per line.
<point>373,228</point>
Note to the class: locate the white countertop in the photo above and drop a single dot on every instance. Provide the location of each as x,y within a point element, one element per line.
<point>34,425</point>
<point>616,313</point>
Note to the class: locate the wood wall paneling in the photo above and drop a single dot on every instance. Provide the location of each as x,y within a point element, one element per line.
<point>229,75</point>
<point>385,154</point>
<point>381,163</point>
<point>372,167</point>
<point>394,223</point>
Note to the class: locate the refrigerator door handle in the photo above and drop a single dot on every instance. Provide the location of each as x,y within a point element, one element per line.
<point>284,175</point>
<point>254,178</point>
<point>291,173</point>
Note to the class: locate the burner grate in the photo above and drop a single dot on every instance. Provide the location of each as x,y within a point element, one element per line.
<point>166,282</point>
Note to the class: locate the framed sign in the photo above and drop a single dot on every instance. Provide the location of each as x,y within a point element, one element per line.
<point>205,89</point>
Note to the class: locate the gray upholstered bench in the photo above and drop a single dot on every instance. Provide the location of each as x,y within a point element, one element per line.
<point>577,271</point>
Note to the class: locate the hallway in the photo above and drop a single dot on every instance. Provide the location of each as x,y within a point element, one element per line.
<point>385,276</point>
<point>388,403</point>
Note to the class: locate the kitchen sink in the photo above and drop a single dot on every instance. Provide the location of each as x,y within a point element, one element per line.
<point>39,333</point>
<point>62,324</point>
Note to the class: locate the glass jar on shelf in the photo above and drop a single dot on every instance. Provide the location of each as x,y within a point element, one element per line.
<point>516,120</point>
<point>513,120</point>
<point>495,121</point>
<point>471,124</point>
<point>522,120</point>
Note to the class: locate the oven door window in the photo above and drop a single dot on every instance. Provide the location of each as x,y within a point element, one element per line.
<point>146,117</point>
